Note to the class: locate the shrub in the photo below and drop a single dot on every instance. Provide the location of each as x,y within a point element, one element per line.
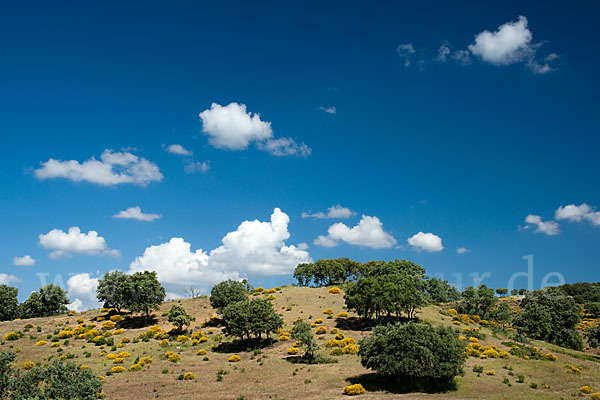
<point>321,330</point>
<point>145,360</point>
<point>135,367</point>
<point>351,349</point>
<point>328,311</point>
<point>490,372</point>
<point>164,343</point>
<point>339,336</point>
<point>354,390</point>
<point>418,352</point>
<point>342,314</point>
<point>189,376</point>
<point>586,390</point>
<point>551,357</point>
<point>201,352</point>
<point>120,331</point>
<point>107,325</point>
<point>235,358</point>
<point>336,352</point>
<point>292,351</point>
<point>118,360</point>
<point>179,317</point>
<point>182,338</point>
<point>335,290</point>
<point>84,367</point>
<point>117,370</point>
<point>478,369</point>
<point>124,354</point>
<point>318,321</point>
<point>11,336</point>
<point>271,297</point>
<point>42,343</point>
<point>595,396</point>
<point>27,365</point>
<point>116,318</point>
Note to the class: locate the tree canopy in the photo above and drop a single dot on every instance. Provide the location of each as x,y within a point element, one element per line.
<point>227,292</point>
<point>9,304</point>
<point>48,301</point>
<point>250,318</point>
<point>143,293</point>
<point>112,288</point>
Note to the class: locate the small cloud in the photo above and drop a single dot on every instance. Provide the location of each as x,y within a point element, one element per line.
<point>406,52</point>
<point>25,261</point>
<point>285,147</point>
<point>578,213</point>
<point>64,244</point>
<point>463,250</point>
<point>368,233</point>
<point>137,214</point>
<point>426,242</point>
<point>328,110</point>
<point>6,279</point>
<point>179,150</point>
<point>336,211</point>
<point>197,166</point>
<point>549,228</point>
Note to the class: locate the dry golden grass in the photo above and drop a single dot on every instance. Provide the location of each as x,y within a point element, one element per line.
<point>269,375</point>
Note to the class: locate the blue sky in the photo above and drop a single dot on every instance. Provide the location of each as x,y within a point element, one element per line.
<point>457,121</point>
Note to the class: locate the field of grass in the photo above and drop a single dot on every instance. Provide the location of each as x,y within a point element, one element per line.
<point>272,374</point>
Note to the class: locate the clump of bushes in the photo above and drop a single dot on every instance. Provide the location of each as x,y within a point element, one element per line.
<point>235,358</point>
<point>353,390</point>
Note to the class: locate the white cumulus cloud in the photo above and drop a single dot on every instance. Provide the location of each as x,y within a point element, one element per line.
<point>578,213</point>
<point>25,261</point>
<point>197,166</point>
<point>6,279</point>
<point>136,213</point>
<point>369,233</point>
<point>336,211</point>
<point>113,168</point>
<point>232,127</point>
<point>547,227</point>
<point>426,242</point>
<point>179,150</point>
<point>81,289</point>
<point>463,250</point>
<point>509,44</point>
<point>63,244</point>
<point>254,248</point>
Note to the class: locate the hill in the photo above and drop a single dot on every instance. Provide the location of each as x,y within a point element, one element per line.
<point>271,373</point>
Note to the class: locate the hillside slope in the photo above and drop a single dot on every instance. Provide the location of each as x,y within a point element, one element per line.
<point>269,375</point>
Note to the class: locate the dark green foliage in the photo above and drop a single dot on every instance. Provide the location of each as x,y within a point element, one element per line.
<point>327,272</point>
<point>477,301</point>
<point>227,292</point>
<point>582,292</point>
<point>550,317</point>
<point>50,300</point>
<point>111,289</point>
<point>501,313</point>
<point>593,309</point>
<point>247,318</point>
<point>8,302</point>
<point>57,380</point>
<point>522,292</point>
<point>302,332</point>
<point>143,293</point>
<point>440,291</point>
<point>179,317</point>
<point>593,336</point>
<point>417,352</point>
<point>389,289</point>
<point>501,292</point>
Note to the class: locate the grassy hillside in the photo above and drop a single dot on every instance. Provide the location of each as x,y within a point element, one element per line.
<point>270,376</point>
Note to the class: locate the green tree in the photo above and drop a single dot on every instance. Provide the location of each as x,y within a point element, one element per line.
<point>551,318</point>
<point>303,274</point>
<point>54,381</point>
<point>50,300</point>
<point>414,352</point>
<point>302,333</point>
<point>111,289</point>
<point>477,301</point>
<point>9,304</point>
<point>236,318</point>
<point>440,291</point>
<point>179,317</point>
<point>5,372</point>
<point>593,336</point>
<point>227,292</point>
<point>263,318</point>
<point>501,291</point>
<point>143,293</point>
<point>514,292</point>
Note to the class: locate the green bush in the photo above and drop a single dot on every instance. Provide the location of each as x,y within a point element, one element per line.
<point>417,352</point>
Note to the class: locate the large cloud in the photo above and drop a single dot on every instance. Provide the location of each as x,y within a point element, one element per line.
<point>81,290</point>
<point>369,233</point>
<point>336,211</point>
<point>426,242</point>
<point>64,244</point>
<point>578,213</point>
<point>232,127</point>
<point>113,168</point>
<point>255,248</point>
<point>137,214</point>
<point>509,44</point>
<point>547,227</point>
